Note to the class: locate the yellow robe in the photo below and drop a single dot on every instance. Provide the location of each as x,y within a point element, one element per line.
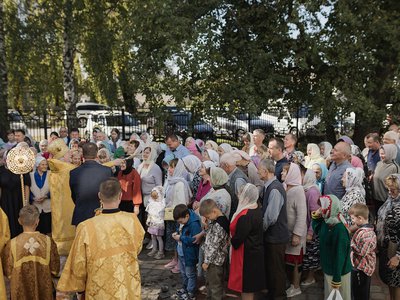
<point>62,206</point>
<point>103,260</point>
<point>30,260</point>
<point>4,238</point>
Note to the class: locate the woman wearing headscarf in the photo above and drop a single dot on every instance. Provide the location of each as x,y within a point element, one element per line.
<point>248,142</point>
<point>130,182</point>
<point>296,208</point>
<point>311,257</point>
<point>146,139</point>
<point>134,151</point>
<point>192,165</point>
<point>355,193</point>
<point>313,156</point>
<point>204,184</point>
<point>191,145</point>
<point>219,191</point>
<point>244,163</point>
<point>224,148</point>
<point>177,191</point>
<point>150,173</point>
<point>211,155</point>
<point>321,171</point>
<point>298,157</point>
<point>246,274</point>
<point>40,194</point>
<point>200,143</point>
<point>385,167</point>
<point>325,149</point>
<point>211,145</point>
<point>388,229</point>
<point>334,239</point>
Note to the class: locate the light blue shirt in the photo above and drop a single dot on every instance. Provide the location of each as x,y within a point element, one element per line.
<point>180,152</point>
<point>333,181</point>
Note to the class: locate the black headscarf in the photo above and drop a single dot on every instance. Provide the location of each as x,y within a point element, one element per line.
<point>129,166</point>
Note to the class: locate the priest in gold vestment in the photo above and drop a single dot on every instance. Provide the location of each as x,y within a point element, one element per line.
<point>103,261</point>
<point>62,205</point>
<point>4,238</point>
<point>30,260</point>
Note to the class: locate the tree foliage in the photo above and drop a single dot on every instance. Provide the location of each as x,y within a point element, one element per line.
<point>215,55</point>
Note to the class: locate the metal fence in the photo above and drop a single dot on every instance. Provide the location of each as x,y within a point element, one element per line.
<point>185,122</point>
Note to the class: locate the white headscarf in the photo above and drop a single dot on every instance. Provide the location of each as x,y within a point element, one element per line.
<point>192,164</point>
<point>208,164</point>
<point>38,160</point>
<point>248,198</point>
<point>309,180</point>
<point>211,145</point>
<point>354,179</point>
<point>327,149</point>
<point>315,151</point>
<point>214,156</point>
<point>218,177</point>
<point>226,147</point>
<point>179,175</point>
<point>150,161</point>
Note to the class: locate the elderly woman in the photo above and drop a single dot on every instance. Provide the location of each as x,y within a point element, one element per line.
<point>211,155</point>
<point>311,258</point>
<point>224,148</point>
<point>211,145</point>
<point>40,194</point>
<point>192,165</point>
<point>325,149</point>
<point>246,274</point>
<point>244,163</point>
<point>385,167</point>
<point>205,183</point>
<point>334,240</point>
<point>43,145</point>
<point>388,229</point>
<point>192,146</point>
<point>321,171</point>
<point>313,156</point>
<point>150,173</point>
<point>296,207</point>
<point>355,193</point>
<point>219,191</point>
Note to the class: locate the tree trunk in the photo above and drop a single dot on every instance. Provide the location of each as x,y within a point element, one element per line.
<point>4,124</point>
<point>70,96</point>
<point>128,92</point>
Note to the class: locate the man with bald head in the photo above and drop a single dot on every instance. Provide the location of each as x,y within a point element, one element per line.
<point>340,155</point>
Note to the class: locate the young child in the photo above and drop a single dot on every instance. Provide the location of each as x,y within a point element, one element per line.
<point>188,252</point>
<point>155,221</point>
<point>30,259</point>
<point>363,257</point>
<point>215,248</point>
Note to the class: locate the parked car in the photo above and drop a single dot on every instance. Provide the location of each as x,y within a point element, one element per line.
<point>85,109</point>
<point>181,123</point>
<point>256,122</point>
<point>106,122</point>
<point>16,120</point>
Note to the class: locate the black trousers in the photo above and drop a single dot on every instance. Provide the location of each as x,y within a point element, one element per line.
<point>360,285</point>
<point>275,270</point>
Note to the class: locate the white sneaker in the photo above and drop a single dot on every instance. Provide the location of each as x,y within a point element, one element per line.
<point>307,283</point>
<point>290,288</point>
<point>293,292</point>
<point>149,246</point>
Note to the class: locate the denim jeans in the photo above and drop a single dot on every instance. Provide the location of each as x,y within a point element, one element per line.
<point>188,275</point>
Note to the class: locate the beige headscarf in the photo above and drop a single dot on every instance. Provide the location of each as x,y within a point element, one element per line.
<point>248,198</point>
<point>218,177</point>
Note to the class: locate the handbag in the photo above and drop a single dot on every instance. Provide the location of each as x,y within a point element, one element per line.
<point>169,214</point>
<point>333,293</point>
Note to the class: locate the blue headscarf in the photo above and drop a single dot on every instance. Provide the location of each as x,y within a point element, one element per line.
<point>324,172</point>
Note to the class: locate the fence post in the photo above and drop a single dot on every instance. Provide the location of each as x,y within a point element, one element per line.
<point>123,122</point>
<point>44,124</point>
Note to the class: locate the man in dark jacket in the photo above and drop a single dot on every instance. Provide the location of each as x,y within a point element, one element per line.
<point>276,233</point>
<point>85,183</point>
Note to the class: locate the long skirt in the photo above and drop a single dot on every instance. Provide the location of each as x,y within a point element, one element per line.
<point>311,259</point>
<point>170,243</point>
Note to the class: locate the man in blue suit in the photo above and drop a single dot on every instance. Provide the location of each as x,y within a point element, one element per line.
<point>85,183</point>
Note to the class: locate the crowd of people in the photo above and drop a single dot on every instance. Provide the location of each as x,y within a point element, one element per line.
<point>264,218</point>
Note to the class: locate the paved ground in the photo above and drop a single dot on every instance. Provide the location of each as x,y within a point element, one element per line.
<point>155,278</point>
